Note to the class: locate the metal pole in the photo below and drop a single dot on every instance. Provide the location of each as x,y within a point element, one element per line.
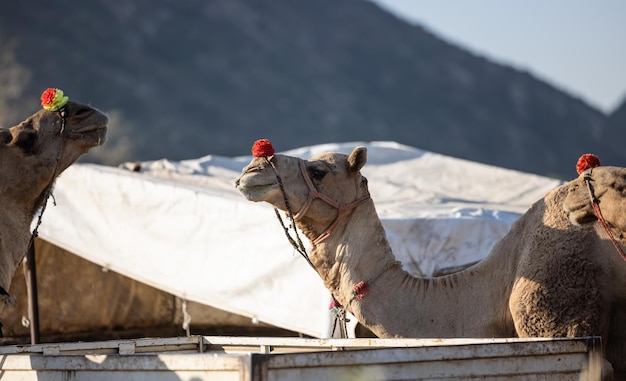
<point>30,273</point>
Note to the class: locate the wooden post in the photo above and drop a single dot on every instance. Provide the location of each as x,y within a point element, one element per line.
<point>30,273</point>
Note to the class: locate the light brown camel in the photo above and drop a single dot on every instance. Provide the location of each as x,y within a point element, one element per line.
<point>32,155</point>
<point>556,274</point>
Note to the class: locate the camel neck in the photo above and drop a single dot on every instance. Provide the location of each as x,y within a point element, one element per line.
<point>14,237</point>
<point>357,265</point>
<point>357,253</point>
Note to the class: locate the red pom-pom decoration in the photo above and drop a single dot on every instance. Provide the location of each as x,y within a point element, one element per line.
<point>360,290</point>
<point>48,96</point>
<point>334,304</point>
<point>262,147</point>
<point>587,161</point>
<point>53,99</point>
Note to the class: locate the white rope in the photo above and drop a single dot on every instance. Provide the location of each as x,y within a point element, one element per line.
<point>186,318</point>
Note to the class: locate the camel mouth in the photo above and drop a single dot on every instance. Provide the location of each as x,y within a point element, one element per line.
<point>91,129</point>
<point>92,136</point>
<point>255,192</point>
<point>255,187</point>
<point>256,183</point>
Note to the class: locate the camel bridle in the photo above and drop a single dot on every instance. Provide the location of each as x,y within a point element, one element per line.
<point>595,204</point>
<point>342,210</point>
<point>47,192</point>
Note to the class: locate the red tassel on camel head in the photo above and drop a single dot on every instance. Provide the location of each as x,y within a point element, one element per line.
<point>262,147</point>
<point>587,161</point>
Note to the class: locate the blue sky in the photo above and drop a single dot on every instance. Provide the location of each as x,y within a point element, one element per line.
<point>578,46</point>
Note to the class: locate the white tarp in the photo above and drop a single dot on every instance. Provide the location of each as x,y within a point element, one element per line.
<point>183,227</point>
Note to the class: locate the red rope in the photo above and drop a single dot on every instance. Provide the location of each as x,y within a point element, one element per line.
<point>596,209</point>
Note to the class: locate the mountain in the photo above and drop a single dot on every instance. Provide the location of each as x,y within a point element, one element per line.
<point>182,79</point>
<point>617,123</point>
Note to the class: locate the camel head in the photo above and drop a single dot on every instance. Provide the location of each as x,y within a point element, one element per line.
<point>609,188</point>
<point>38,149</point>
<point>45,133</point>
<point>335,178</point>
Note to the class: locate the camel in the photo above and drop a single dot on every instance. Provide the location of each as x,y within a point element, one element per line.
<point>555,274</point>
<point>32,154</point>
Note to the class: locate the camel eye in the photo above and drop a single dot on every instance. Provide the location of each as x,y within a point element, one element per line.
<point>620,186</point>
<point>318,174</point>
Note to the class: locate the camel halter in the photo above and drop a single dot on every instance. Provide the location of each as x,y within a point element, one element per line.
<point>342,210</point>
<point>595,204</point>
<point>47,192</point>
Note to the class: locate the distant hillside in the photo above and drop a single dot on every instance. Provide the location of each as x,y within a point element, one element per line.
<point>617,126</point>
<point>184,79</point>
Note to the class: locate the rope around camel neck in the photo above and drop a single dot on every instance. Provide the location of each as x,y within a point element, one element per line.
<point>340,318</point>
<point>596,208</point>
<point>48,189</point>
<point>297,243</point>
<point>595,204</point>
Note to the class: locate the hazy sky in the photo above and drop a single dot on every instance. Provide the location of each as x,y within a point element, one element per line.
<point>576,45</point>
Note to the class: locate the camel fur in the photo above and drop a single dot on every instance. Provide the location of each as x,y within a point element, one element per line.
<point>555,274</point>
<point>32,155</point>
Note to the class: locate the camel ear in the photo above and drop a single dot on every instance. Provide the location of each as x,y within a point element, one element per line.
<point>357,159</point>
<point>577,204</point>
<point>26,139</point>
<point>5,136</point>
